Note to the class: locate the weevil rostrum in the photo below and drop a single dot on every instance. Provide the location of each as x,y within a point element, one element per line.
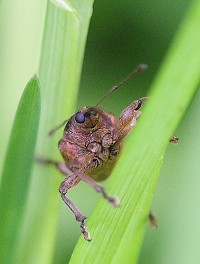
<point>91,145</point>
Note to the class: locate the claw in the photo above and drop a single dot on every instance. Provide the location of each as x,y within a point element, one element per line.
<point>84,231</point>
<point>153,221</point>
<point>174,140</point>
<point>114,201</point>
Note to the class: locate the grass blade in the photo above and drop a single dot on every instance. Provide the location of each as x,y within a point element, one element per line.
<point>17,168</point>
<point>117,234</point>
<point>62,51</point>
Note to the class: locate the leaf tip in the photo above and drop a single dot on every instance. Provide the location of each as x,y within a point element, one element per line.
<point>66,5</point>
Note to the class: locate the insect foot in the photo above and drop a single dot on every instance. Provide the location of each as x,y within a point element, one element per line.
<point>174,140</point>
<point>78,215</point>
<point>84,231</point>
<point>114,201</point>
<point>153,221</point>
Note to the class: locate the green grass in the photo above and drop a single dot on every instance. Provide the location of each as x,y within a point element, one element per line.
<point>60,65</point>
<point>118,234</point>
<point>16,173</point>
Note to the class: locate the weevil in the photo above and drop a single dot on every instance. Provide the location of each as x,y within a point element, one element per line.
<point>91,145</point>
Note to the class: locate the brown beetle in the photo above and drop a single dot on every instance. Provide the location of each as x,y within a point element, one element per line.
<point>91,144</point>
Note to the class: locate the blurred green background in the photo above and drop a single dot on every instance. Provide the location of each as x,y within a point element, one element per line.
<point>122,35</point>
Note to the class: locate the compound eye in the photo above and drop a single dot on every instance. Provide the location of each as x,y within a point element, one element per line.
<point>79,117</point>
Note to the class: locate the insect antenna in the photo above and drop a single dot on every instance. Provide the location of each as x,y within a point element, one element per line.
<point>140,68</point>
<point>52,132</point>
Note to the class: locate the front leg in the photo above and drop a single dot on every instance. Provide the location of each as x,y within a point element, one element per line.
<point>153,220</point>
<point>128,118</point>
<point>72,179</point>
<point>62,167</point>
<point>98,187</point>
<point>69,182</point>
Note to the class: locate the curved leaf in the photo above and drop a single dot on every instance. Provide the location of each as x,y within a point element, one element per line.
<point>17,168</point>
<point>117,234</point>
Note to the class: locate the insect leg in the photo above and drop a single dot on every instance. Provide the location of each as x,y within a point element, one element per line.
<point>66,171</point>
<point>59,165</point>
<point>98,188</point>
<point>131,113</point>
<point>128,118</point>
<point>68,183</point>
<point>153,220</point>
<point>174,140</point>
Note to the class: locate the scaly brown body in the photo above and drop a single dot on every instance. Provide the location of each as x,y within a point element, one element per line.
<point>91,144</point>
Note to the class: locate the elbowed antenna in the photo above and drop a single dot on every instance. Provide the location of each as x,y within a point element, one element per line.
<point>52,132</point>
<point>140,68</point>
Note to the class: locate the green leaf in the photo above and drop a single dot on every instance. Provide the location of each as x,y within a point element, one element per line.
<point>117,233</point>
<point>60,66</point>
<point>16,171</point>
